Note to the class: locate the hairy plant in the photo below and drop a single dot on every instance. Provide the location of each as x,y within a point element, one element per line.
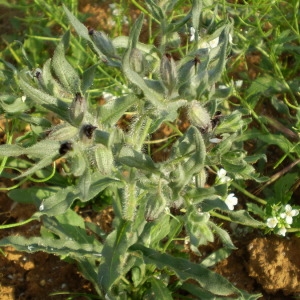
<point>154,203</point>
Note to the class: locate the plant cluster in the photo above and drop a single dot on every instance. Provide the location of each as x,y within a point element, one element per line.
<point>160,208</point>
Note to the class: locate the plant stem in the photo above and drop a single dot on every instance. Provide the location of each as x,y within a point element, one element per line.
<point>246,193</point>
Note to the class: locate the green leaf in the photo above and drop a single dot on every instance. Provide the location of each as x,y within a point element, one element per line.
<point>191,152</point>
<point>51,85</point>
<point>199,292</point>
<point>185,270</point>
<point>104,159</point>
<point>197,226</point>
<point>60,201</point>
<point>150,50</point>
<point>115,255</point>
<point>283,187</point>
<point>8,150</point>
<point>155,231</point>
<point>155,10</point>
<point>63,199</point>
<point>196,13</point>
<point>155,98</point>
<point>135,159</point>
<point>231,123</point>
<point>44,162</point>
<point>45,100</point>
<point>78,26</point>
<point>84,184</point>
<point>158,290</point>
<point>138,132</point>
<point>89,267</point>
<point>66,74</point>
<point>200,193</point>
<point>99,183</point>
<point>88,77</point>
<point>32,195</point>
<point>69,226</point>
<point>243,217</point>
<point>270,139</point>
<point>215,257</point>
<point>112,111</point>
<point>215,73</point>
<point>13,105</point>
<point>64,247</point>
<point>223,235</point>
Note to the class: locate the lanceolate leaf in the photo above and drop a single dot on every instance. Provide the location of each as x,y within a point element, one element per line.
<point>88,78</point>
<point>185,270</point>
<point>244,218</point>
<point>115,254</point>
<point>216,72</point>
<point>11,150</point>
<point>64,247</point>
<point>135,159</point>
<point>155,98</point>
<point>63,199</point>
<point>44,162</point>
<point>191,153</point>
<point>159,289</point>
<point>47,101</point>
<point>79,27</point>
<point>51,85</point>
<point>66,74</point>
<point>112,111</point>
<point>82,31</point>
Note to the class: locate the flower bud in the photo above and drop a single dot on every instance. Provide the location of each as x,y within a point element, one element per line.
<point>137,62</point>
<point>103,43</point>
<point>65,148</point>
<point>77,109</point>
<point>87,131</point>
<point>168,72</point>
<point>198,115</point>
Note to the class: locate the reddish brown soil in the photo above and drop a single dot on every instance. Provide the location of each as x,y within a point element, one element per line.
<point>269,265</point>
<point>34,276</point>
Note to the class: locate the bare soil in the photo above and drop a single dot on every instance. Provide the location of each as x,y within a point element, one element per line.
<point>266,264</point>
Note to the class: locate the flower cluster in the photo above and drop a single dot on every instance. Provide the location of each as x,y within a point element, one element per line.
<point>222,177</point>
<point>282,219</point>
<point>231,200</point>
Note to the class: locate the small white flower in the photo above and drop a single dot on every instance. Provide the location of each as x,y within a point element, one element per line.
<point>272,222</point>
<point>214,43</point>
<point>215,140</point>
<point>192,34</point>
<point>125,20</point>
<point>112,6</point>
<point>289,214</point>
<point>108,96</point>
<point>282,231</point>
<point>42,207</point>
<point>186,240</point>
<point>231,201</point>
<point>23,98</point>
<point>238,83</point>
<point>222,178</point>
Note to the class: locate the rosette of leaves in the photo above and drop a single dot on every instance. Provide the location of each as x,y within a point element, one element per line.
<point>102,157</point>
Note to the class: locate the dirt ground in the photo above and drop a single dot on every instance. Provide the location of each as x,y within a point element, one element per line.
<point>266,264</point>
